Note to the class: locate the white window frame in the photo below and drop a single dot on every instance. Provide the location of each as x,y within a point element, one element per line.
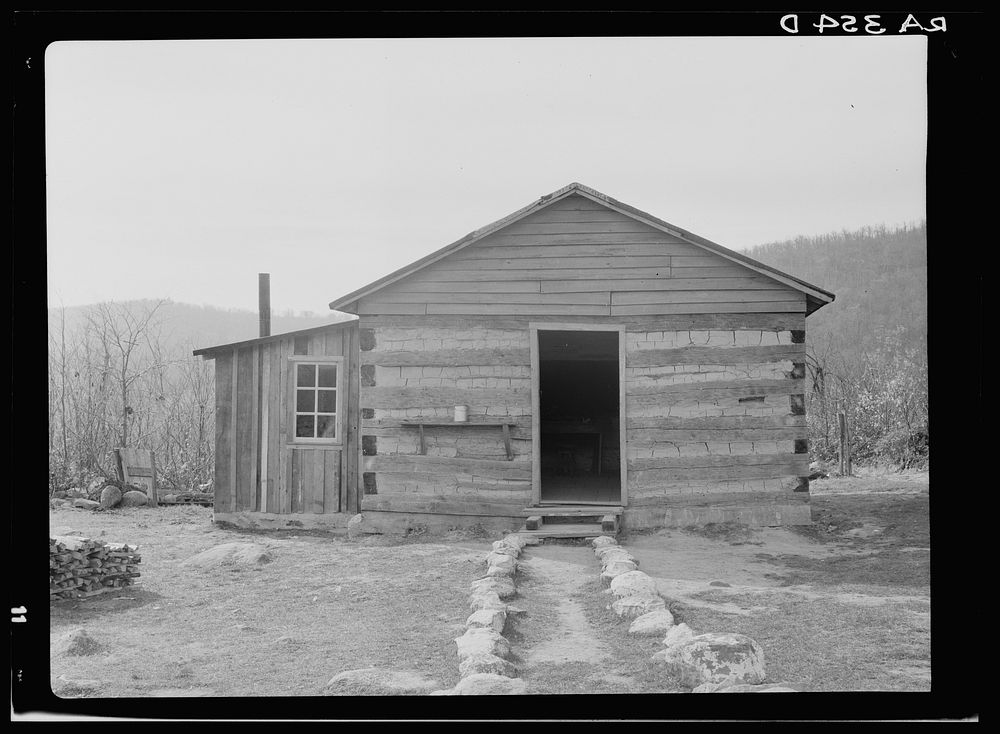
<point>293,362</point>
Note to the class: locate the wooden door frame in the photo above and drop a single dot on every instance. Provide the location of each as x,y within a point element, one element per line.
<point>536,418</point>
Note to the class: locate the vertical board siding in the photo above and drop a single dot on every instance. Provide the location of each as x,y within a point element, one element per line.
<point>245,402</point>
<point>255,432</point>
<point>223,431</point>
<point>258,467</point>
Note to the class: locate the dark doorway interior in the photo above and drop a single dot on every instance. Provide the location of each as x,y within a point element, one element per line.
<point>579,418</point>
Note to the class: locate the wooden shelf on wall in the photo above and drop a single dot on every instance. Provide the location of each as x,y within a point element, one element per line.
<point>504,426</point>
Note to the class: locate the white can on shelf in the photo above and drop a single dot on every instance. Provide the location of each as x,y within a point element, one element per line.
<point>461,413</point>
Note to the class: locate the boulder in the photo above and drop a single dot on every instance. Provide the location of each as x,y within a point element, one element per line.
<point>502,585</point>
<point>478,640</point>
<point>504,548</point>
<point>231,554</point>
<point>632,582</point>
<point>618,556</point>
<point>603,540</point>
<point>110,497</point>
<point>494,619</point>
<point>482,663</point>
<point>495,571</point>
<point>616,568</point>
<point>76,642</point>
<point>516,541</point>
<point>379,681</point>
<point>489,684</point>
<point>678,635</point>
<point>652,623</point>
<point>610,550</point>
<point>503,562</point>
<point>86,504</point>
<point>719,658</point>
<point>134,498</point>
<point>634,606</point>
<point>485,599</point>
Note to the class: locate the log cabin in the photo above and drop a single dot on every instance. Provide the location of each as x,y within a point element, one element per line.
<point>577,361</point>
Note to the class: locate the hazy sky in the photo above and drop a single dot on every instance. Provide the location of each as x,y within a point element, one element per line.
<point>181,169</point>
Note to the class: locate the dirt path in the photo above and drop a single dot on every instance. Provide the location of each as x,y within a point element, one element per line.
<point>568,636</point>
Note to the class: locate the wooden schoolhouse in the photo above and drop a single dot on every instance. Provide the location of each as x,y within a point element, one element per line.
<point>577,359</point>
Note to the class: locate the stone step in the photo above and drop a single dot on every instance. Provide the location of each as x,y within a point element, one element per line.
<point>586,530</point>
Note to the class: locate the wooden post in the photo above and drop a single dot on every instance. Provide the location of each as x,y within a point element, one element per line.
<point>845,444</point>
<point>840,446</point>
<point>264,302</point>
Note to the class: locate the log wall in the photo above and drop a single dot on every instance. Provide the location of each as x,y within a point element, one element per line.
<point>412,372</point>
<point>716,413</point>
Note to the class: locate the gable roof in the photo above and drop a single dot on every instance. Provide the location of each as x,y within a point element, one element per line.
<point>816,297</point>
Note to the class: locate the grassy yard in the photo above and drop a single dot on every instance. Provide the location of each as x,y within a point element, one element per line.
<point>284,628</point>
<point>845,604</point>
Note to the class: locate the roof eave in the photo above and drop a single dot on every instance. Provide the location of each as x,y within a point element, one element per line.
<point>210,352</point>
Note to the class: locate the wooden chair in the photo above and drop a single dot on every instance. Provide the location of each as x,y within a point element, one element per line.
<point>138,467</point>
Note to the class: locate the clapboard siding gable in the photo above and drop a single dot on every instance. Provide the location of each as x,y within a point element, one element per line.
<point>578,257</point>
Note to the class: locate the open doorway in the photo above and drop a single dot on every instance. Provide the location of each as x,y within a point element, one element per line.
<point>579,418</point>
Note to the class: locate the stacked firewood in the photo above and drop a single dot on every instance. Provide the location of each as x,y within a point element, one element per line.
<point>81,567</point>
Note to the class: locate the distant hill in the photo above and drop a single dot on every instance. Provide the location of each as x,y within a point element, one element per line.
<point>187,326</point>
<point>879,276</point>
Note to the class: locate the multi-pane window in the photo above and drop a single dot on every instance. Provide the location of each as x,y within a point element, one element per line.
<point>316,400</point>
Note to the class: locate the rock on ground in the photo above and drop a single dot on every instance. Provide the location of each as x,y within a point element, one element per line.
<point>76,642</point>
<point>134,498</point>
<point>719,658</point>
<point>86,504</point>
<point>632,583</point>
<point>678,635</point>
<point>634,606</point>
<point>652,623</point>
<point>483,663</point>
<point>603,540</point>
<point>614,553</point>
<point>240,554</point>
<point>379,681</point>
<point>494,619</point>
<point>508,549</point>
<point>502,585</point>
<point>482,641</point>
<point>616,568</point>
<point>488,684</point>
<point>515,540</point>
<point>110,497</point>
<point>485,599</point>
<point>502,561</point>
